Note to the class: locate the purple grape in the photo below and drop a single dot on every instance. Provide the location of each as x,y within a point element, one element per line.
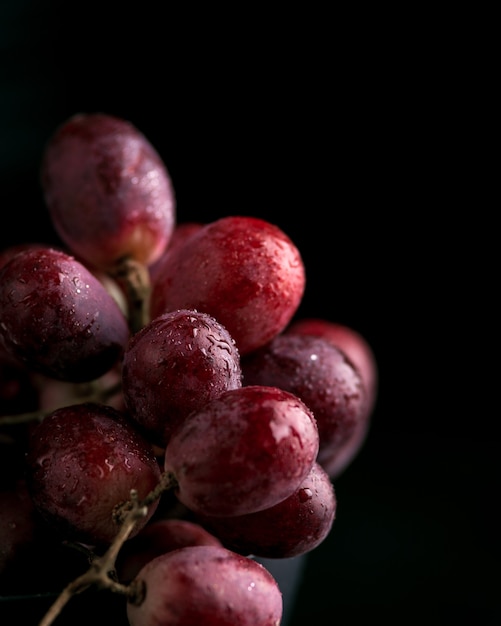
<point>351,342</point>
<point>108,191</point>
<point>57,318</point>
<point>175,365</point>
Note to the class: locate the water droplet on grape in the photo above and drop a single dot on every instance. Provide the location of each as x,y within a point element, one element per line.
<point>305,494</point>
<point>279,430</point>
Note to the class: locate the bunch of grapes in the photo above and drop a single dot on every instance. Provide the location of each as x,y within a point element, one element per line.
<point>168,417</point>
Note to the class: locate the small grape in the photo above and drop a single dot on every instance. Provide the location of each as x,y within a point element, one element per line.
<point>57,318</point>
<point>209,586</point>
<point>107,190</point>
<point>242,452</point>
<point>82,462</point>
<point>156,538</point>
<point>292,527</point>
<point>175,365</point>
<point>243,271</point>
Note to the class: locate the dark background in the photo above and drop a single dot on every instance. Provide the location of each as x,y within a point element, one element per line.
<point>348,133</point>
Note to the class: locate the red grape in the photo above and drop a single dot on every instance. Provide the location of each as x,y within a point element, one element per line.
<point>158,537</point>
<point>243,271</point>
<point>57,318</point>
<point>318,373</point>
<point>108,191</point>
<point>292,527</point>
<point>174,365</point>
<point>209,586</point>
<point>83,461</point>
<point>244,451</point>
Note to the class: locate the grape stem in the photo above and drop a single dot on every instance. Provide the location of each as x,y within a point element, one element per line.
<point>101,573</point>
<point>134,279</point>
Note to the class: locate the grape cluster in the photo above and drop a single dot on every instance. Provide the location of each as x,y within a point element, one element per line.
<point>168,417</point>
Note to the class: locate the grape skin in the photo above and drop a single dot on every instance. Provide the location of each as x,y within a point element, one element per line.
<point>243,271</point>
<point>82,461</point>
<point>242,452</point>
<point>10,251</point>
<point>318,373</point>
<point>181,233</point>
<point>57,318</point>
<point>175,365</point>
<point>356,347</point>
<point>107,190</point>
<point>156,538</point>
<point>207,585</point>
<point>292,527</point>
<point>351,342</point>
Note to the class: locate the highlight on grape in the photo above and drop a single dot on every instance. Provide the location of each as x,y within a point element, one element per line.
<point>166,418</point>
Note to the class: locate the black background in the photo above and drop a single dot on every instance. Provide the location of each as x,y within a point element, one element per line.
<point>343,130</point>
